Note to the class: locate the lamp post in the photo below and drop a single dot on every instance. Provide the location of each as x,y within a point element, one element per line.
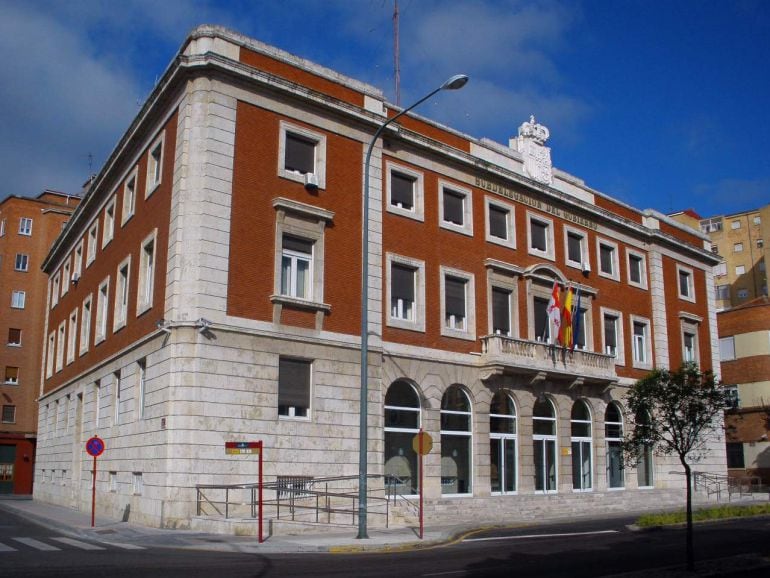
<point>454,83</point>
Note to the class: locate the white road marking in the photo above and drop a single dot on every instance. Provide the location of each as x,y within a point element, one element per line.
<point>78,544</point>
<point>37,544</point>
<point>446,573</point>
<point>125,546</point>
<point>5,548</point>
<point>541,536</point>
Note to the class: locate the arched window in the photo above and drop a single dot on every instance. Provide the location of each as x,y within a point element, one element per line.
<point>544,444</point>
<point>456,440</point>
<point>502,443</point>
<point>613,438</point>
<point>644,465</point>
<point>582,448</point>
<point>402,422</point>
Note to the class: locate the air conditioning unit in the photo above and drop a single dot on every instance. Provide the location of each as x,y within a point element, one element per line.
<point>311,181</point>
<point>75,279</point>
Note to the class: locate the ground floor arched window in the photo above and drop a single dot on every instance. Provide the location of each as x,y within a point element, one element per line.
<point>582,447</point>
<point>456,442</point>
<point>502,443</point>
<point>613,438</point>
<point>402,423</point>
<point>644,465</point>
<point>544,445</point>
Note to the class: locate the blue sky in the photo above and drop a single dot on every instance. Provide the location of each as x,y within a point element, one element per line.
<point>662,105</point>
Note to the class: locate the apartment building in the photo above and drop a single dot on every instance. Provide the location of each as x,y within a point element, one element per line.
<point>218,263</point>
<point>744,342</point>
<point>28,227</point>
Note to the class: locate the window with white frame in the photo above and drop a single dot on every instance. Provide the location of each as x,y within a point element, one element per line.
<point>612,332</point>
<point>736,224</point>
<point>60,339</point>
<point>455,208</point>
<point>146,285</point>
<point>102,309</point>
<point>690,346</point>
<point>607,255</point>
<point>66,277</point>
<point>77,268</point>
<point>97,395</point>
<point>540,236</point>
<point>2,228</point>
<point>55,289</point>
<point>737,247</point>
<point>544,441</point>
<point>129,198</point>
<point>85,324</point>
<point>25,226</point>
<point>503,444</point>
<point>540,324</point>
<point>637,269</point>
<point>122,282</point>
<point>93,235</point>
<point>72,333</point>
<point>296,267</point>
<point>582,447</point>
<point>108,232</point>
<point>640,340</point>
<point>740,270</point>
<point>720,270</point>
<point>405,191</point>
<point>501,311</point>
<point>723,292</point>
<point>294,379</point>
<point>137,484</point>
<point>613,438</point>
<point>141,369</point>
<point>456,442</point>
<point>499,218</point>
<point>727,348</point>
<point>14,336</point>
<point>457,304</point>
<point>502,299</point>
<point>685,283</point>
<point>301,153</point>
<point>116,385</point>
<point>576,248</point>
<point>154,166</point>
<point>406,292</point>
<point>50,351</point>
<point>22,262</point>
<point>402,423</point>
<point>18,299</point>
<point>11,375</point>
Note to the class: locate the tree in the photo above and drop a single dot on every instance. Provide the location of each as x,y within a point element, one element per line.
<point>675,413</point>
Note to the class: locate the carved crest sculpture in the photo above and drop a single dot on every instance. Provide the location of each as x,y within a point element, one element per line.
<point>537,156</point>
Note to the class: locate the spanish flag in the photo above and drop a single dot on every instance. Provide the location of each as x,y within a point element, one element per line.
<point>566,321</point>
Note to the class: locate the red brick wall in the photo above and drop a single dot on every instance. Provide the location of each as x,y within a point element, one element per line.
<point>149,214</point>
<point>747,370</point>
<point>744,320</point>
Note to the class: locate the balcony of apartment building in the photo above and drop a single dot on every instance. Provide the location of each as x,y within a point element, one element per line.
<point>540,360</point>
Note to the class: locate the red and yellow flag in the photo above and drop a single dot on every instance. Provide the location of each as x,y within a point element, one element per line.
<point>566,321</point>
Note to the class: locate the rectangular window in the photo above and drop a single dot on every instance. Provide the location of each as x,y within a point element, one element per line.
<point>25,226</point>
<point>302,155</point>
<point>22,262</point>
<point>455,208</point>
<point>501,311</point>
<point>50,354</point>
<point>294,387</point>
<point>608,260</point>
<point>689,346</point>
<point>97,401</point>
<point>757,220</point>
<point>72,336</point>
<point>109,222</point>
<point>735,224</point>
<point>85,325</point>
<point>146,284</point>
<point>113,482</point>
<point>738,248</point>
<point>611,334</point>
<point>735,457</point>
<point>14,336</point>
<point>18,299</point>
<point>740,270</point>
<point>121,294</point>
<point>575,248</point>
<point>141,367</point>
<point>93,234</point>
<point>154,166</point>
<point>55,289</point>
<point>402,292</point>
<point>9,414</point>
<point>102,308</point>
<point>685,283</point>
<point>454,303</point>
<point>66,276</point>
<point>137,485</point>
<point>538,235</point>
<point>723,292</point>
<point>11,375</point>
<point>720,270</point>
<point>129,198</point>
<point>78,267</point>
<point>116,398</point>
<point>640,341</point>
<point>540,312</point>
<point>2,228</point>
<point>60,335</point>
<point>296,267</point>
<point>498,222</point>
<point>402,191</point>
<point>637,270</point>
<point>405,193</point>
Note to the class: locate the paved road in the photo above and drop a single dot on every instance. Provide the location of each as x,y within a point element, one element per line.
<point>586,549</point>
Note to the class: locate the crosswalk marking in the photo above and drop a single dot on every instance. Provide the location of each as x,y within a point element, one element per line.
<point>127,546</point>
<point>4,548</point>
<point>37,544</point>
<point>78,544</point>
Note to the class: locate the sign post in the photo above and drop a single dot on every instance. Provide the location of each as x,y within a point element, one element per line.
<point>422,443</point>
<point>247,448</point>
<point>94,447</point>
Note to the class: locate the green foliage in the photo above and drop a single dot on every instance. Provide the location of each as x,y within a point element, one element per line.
<point>675,412</point>
<point>716,513</point>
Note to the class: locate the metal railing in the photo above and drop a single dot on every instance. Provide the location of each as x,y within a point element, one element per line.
<point>718,483</point>
<point>311,499</point>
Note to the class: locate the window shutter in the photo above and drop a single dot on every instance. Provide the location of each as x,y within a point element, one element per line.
<point>453,207</point>
<point>401,190</point>
<point>298,245</point>
<point>498,223</point>
<point>402,283</point>
<point>454,290</point>
<point>610,331</point>
<point>300,154</point>
<point>501,311</point>
<point>294,383</point>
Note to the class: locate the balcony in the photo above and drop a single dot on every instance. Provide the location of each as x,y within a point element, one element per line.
<point>509,356</point>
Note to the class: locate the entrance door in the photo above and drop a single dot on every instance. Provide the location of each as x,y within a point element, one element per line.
<point>7,460</point>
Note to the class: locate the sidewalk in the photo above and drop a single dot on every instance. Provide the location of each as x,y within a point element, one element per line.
<point>78,524</point>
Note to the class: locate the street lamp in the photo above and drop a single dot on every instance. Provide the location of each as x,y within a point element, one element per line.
<point>454,83</point>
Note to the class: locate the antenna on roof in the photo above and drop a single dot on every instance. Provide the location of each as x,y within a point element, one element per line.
<point>397,70</point>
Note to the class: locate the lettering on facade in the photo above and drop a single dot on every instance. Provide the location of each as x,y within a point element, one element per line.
<point>535,203</point>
